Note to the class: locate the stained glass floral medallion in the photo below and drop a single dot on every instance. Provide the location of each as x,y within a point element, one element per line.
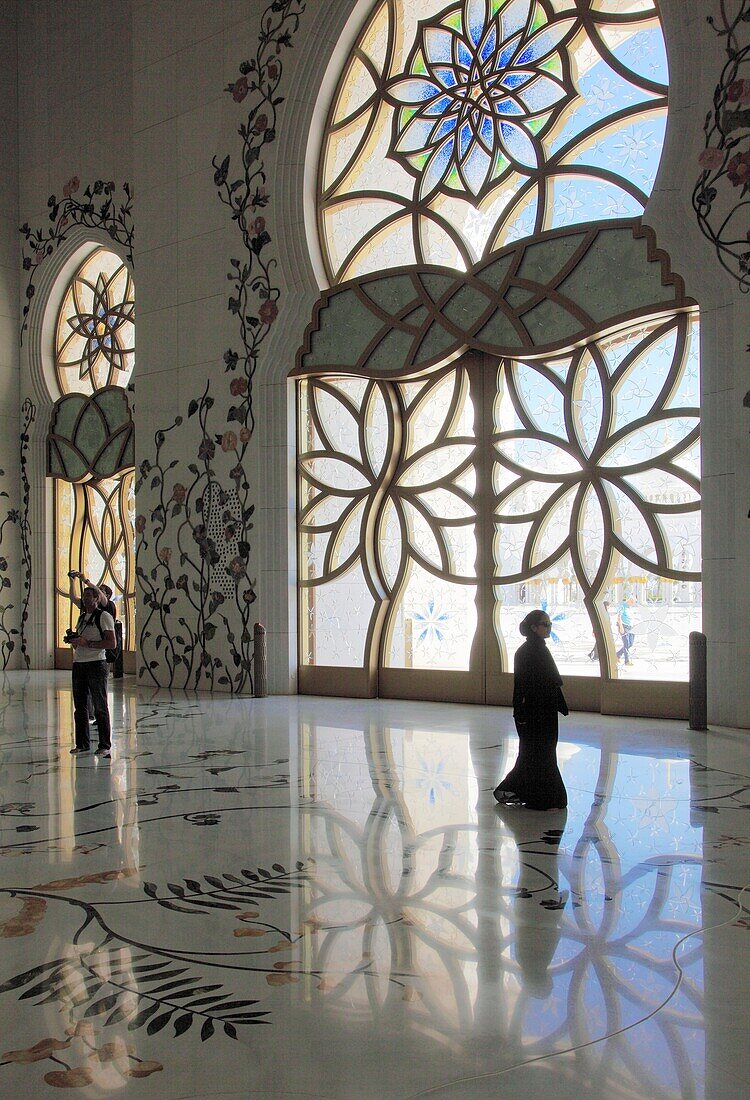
<point>484,84</point>
<point>96,326</point>
<point>457,129</point>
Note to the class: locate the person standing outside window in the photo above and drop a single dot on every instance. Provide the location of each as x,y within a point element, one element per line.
<point>89,641</point>
<point>625,629</point>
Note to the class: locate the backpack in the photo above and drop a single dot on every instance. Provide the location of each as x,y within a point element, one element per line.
<point>111,655</point>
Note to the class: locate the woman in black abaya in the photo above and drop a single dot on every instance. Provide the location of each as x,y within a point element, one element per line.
<point>535,779</point>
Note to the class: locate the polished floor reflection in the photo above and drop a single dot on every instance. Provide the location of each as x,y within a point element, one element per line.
<point>298,897</point>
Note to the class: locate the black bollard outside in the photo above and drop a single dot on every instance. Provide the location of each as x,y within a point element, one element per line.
<point>117,670</point>
<point>698,682</point>
<point>260,662</point>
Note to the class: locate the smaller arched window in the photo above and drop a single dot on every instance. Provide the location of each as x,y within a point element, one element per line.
<point>90,445</point>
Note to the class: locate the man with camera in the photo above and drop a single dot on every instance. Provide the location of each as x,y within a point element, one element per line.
<point>94,634</point>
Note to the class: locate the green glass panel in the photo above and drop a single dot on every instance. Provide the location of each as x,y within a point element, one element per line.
<point>615,277</point>
<point>114,405</point>
<point>392,293</point>
<point>499,332</point>
<point>436,284</point>
<point>74,469</point>
<point>91,434</point>
<point>66,415</point>
<point>390,354</point>
<point>495,273</point>
<point>518,296</point>
<point>436,341</point>
<point>465,307</point>
<point>347,327</point>
<point>548,323</point>
<point>542,261</point>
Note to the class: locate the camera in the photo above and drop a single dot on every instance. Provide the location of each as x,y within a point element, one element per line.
<point>73,573</point>
<point>70,635</point>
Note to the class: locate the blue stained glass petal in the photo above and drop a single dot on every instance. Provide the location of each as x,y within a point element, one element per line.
<point>540,95</point>
<point>446,75</point>
<point>506,53</point>
<point>447,126</point>
<point>475,15</point>
<point>515,16</point>
<point>488,133</point>
<point>437,167</point>
<point>439,106</point>
<point>476,168</point>
<point>464,140</point>
<point>416,136</point>
<point>519,144</point>
<point>415,91</point>
<point>438,44</point>
<point>545,41</point>
<point>464,55</point>
<point>508,107</point>
<point>490,43</point>
<point>516,80</point>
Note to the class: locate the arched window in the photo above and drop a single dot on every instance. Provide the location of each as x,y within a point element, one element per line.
<point>499,393</point>
<point>90,444</point>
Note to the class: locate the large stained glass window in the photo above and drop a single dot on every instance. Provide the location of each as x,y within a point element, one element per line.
<point>90,442</point>
<point>458,128</point>
<point>498,397</point>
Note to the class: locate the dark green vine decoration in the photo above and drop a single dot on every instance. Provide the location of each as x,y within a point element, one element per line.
<point>214,578</point>
<point>726,157</point>
<point>18,517</point>
<point>96,210</point>
<point>8,633</point>
<point>28,411</point>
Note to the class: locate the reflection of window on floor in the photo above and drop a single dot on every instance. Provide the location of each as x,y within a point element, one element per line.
<point>476,921</point>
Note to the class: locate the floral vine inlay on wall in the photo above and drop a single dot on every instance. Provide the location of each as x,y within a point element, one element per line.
<point>721,198</point>
<point>17,517</point>
<point>199,528</point>
<point>28,411</point>
<point>8,633</point>
<point>96,210</point>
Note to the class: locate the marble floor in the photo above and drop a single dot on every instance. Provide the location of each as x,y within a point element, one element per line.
<point>298,897</point>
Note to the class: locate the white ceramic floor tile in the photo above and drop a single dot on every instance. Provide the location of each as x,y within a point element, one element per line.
<point>297,897</point>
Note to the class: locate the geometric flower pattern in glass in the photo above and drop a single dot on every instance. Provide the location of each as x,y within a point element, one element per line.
<point>95,327</point>
<point>483,84</point>
<point>457,129</point>
<point>597,481</point>
<point>384,497</point>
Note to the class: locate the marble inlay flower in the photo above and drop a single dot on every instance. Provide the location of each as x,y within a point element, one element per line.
<point>483,83</point>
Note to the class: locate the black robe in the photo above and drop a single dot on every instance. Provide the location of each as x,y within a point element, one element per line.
<point>537,697</point>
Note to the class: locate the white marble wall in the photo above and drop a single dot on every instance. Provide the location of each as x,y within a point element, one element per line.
<point>152,109</point>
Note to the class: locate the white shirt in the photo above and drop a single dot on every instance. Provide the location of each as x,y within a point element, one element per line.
<point>87,629</point>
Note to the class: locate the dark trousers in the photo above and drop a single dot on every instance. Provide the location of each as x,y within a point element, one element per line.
<point>90,678</point>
